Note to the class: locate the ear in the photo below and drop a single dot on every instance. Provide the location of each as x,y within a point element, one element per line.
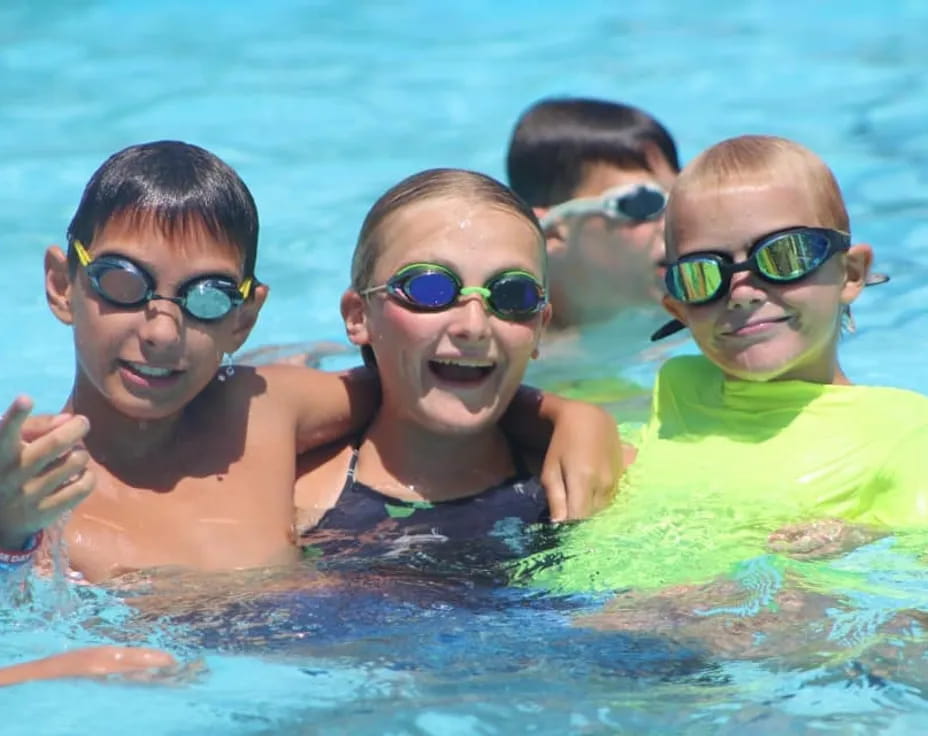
<point>545,321</point>
<point>555,233</point>
<point>675,308</point>
<point>58,284</point>
<point>355,316</point>
<point>247,315</point>
<point>857,264</point>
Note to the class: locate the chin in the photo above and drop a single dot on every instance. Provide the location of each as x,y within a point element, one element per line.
<point>459,420</point>
<point>759,370</point>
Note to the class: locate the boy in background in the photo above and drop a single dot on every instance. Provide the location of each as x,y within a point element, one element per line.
<point>597,174</point>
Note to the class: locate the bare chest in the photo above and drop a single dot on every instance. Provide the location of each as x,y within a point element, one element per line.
<point>187,511</point>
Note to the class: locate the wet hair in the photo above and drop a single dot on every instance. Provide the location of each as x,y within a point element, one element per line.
<point>759,160</point>
<point>469,186</point>
<point>556,140</point>
<point>433,184</point>
<point>175,187</point>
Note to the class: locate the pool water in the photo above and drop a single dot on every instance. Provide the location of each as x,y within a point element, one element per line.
<point>321,106</point>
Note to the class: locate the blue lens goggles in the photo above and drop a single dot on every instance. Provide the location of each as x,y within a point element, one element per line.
<point>514,296</point>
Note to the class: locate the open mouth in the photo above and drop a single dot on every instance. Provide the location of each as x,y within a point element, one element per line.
<point>148,373</point>
<point>461,370</point>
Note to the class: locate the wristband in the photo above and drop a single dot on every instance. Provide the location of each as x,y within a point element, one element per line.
<point>14,558</point>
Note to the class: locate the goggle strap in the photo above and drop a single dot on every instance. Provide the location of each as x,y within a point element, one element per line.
<point>245,288</point>
<point>670,328</point>
<point>83,257</point>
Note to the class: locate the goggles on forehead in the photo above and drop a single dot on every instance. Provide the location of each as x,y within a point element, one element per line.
<point>782,257</point>
<point>514,296</point>
<point>635,203</point>
<point>123,283</point>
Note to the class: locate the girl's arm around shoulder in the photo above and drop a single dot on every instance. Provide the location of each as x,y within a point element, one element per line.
<point>583,452</point>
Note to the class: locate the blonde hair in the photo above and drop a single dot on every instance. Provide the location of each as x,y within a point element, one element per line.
<point>759,160</point>
<point>433,184</point>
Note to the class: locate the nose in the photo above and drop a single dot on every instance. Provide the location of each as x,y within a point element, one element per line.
<point>470,320</point>
<point>745,291</point>
<point>162,329</point>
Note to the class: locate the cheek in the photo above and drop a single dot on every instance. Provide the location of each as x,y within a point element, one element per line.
<point>395,328</point>
<point>816,303</point>
<point>519,339</point>
<point>701,320</point>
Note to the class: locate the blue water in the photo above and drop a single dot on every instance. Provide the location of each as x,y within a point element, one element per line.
<point>321,106</point>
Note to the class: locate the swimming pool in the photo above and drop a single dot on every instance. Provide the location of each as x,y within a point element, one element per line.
<point>321,106</point>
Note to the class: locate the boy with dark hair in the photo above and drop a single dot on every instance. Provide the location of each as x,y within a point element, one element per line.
<point>597,174</point>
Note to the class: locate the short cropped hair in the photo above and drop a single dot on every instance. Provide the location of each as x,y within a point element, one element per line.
<point>758,160</point>
<point>174,186</point>
<point>556,140</point>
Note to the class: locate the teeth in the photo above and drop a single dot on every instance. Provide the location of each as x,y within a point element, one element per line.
<point>150,370</point>
<point>466,362</point>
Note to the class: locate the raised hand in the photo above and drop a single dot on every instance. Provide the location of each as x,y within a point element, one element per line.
<point>43,471</point>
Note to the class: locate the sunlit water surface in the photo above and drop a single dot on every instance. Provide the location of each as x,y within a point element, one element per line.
<point>321,106</point>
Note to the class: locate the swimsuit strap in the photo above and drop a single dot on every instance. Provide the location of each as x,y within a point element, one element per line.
<point>518,461</point>
<point>352,465</point>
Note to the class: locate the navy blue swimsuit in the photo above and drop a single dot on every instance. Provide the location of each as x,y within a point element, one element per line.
<point>488,526</point>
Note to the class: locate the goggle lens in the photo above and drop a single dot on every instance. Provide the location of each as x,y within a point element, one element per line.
<point>517,295</point>
<point>694,281</point>
<point>208,300</point>
<point>645,203</point>
<point>430,289</point>
<point>791,256</point>
<point>118,285</point>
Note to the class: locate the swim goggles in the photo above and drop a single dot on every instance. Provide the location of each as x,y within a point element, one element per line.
<point>782,257</point>
<point>123,283</point>
<point>514,296</point>
<point>634,203</point>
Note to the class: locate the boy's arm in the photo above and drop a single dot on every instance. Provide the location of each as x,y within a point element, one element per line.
<point>583,453</point>
<point>43,474</point>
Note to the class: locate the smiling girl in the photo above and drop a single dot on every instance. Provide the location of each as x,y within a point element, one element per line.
<point>448,299</point>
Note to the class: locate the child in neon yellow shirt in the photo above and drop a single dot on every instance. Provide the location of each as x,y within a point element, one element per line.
<point>764,428</point>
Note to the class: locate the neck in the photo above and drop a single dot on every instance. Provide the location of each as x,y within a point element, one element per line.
<point>116,440</point>
<point>402,458</point>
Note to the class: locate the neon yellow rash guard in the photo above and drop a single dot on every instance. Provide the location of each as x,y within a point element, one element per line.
<point>721,464</point>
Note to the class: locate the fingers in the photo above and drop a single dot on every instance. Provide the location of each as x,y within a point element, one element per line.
<point>556,493</point>
<point>61,498</point>
<point>37,425</point>
<point>10,428</point>
<point>52,445</point>
<point>580,497</point>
